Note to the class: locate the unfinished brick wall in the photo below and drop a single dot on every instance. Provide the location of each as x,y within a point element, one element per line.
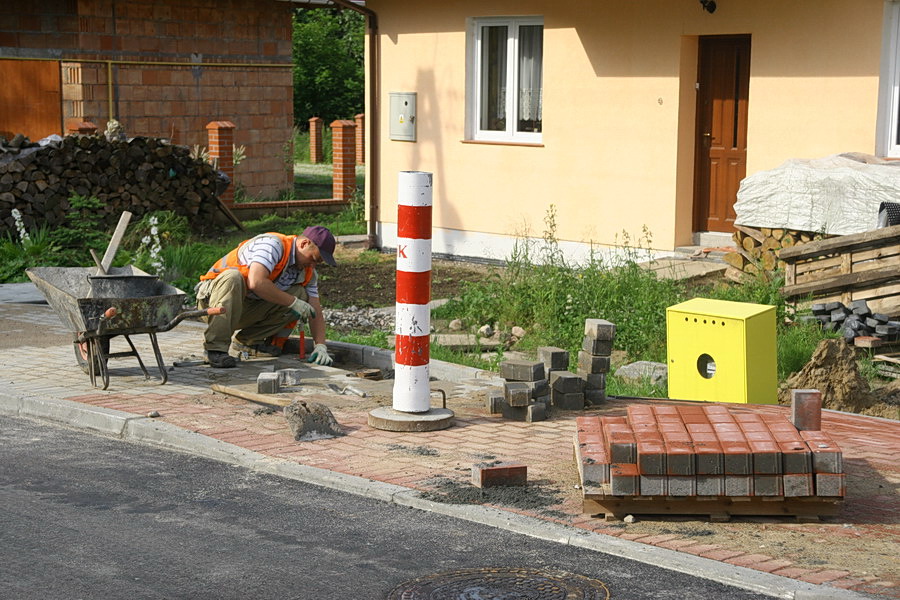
<point>173,101</point>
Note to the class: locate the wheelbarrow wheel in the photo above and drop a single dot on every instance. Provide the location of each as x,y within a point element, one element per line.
<point>81,355</point>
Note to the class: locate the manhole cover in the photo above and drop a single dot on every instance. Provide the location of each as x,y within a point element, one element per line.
<point>501,584</point>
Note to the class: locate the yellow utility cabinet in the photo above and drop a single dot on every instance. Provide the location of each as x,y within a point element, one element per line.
<point>721,351</point>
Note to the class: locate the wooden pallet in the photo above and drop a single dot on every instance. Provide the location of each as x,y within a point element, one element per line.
<point>716,508</point>
<point>861,266</point>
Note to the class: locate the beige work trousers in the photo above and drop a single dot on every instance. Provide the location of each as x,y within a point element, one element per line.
<point>253,320</point>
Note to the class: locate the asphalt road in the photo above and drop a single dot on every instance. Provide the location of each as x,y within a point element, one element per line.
<point>87,517</point>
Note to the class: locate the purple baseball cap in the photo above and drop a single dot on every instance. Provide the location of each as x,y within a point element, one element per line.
<point>324,240</point>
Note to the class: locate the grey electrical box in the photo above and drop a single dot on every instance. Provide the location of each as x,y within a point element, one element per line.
<point>403,116</point>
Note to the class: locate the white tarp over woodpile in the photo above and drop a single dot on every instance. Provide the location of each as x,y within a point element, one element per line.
<point>838,194</point>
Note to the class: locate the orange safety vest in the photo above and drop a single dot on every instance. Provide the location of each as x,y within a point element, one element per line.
<point>230,261</point>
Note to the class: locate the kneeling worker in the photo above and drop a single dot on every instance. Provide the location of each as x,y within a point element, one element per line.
<point>264,284</point>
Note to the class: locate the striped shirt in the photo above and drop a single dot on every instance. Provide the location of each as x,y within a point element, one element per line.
<point>267,250</point>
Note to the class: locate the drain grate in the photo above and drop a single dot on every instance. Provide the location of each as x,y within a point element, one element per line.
<point>500,583</point>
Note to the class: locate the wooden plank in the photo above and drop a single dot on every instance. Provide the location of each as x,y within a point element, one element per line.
<point>619,506</point>
<point>113,246</point>
<point>840,282</point>
<point>756,234</point>
<point>861,257</point>
<point>790,274</point>
<point>270,399</point>
<point>844,243</point>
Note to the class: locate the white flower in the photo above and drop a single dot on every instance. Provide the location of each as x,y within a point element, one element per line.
<point>145,240</point>
<point>16,214</point>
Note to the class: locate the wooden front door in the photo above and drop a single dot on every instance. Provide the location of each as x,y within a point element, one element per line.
<point>30,98</point>
<point>721,155</point>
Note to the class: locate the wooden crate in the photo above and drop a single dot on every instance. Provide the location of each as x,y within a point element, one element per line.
<point>861,266</point>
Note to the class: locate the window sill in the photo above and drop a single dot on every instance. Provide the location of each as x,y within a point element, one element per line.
<point>501,143</point>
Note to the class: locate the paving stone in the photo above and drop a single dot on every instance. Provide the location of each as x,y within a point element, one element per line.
<point>521,370</point>
<point>488,475</point>
<point>654,485</point>
<point>574,401</point>
<point>566,382</point>
<point>588,363</point>
<point>796,457</point>
<point>738,485</point>
<point>830,484</point>
<point>513,413</point>
<point>536,412</point>
<point>267,383</point>
<point>827,456</point>
<point>597,347</point>
<point>621,442</point>
<point>798,485</point>
<point>624,479</point>
<point>593,381</point>
<point>767,485</point>
<point>539,388</point>
<point>492,404</point>
<point>599,329</point>
<point>651,457</point>
<point>595,397</point>
<point>554,359</point>
<point>681,485</point>
<point>710,485</point>
<point>517,393</point>
<point>679,459</point>
<point>806,409</point>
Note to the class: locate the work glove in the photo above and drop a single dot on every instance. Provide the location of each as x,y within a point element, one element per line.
<point>303,310</point>
<point>319,355</point>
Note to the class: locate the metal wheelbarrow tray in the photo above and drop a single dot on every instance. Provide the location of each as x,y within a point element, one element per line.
<point>126,301</point>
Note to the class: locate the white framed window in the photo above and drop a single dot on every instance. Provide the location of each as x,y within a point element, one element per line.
<point>505,79</point>
<point>888,133</point>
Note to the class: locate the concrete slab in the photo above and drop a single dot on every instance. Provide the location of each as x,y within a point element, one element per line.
<point>20,293</point>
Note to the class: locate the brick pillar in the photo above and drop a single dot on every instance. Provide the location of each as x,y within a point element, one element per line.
<point>316,155</point>
<point>221,153</point>
<point>360,138</point>
<point>343,159</point>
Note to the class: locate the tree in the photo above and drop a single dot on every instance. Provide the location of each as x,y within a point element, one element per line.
<point>329,75</point>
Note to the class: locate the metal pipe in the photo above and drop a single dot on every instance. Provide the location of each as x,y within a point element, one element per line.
<point>373,119</point>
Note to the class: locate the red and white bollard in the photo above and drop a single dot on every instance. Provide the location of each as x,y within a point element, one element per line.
<point>413,323</point>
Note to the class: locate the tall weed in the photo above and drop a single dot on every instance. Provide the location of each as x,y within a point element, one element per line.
<point>551,299</point>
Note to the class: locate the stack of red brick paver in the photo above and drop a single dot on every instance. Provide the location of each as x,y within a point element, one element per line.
<point>705,452</point>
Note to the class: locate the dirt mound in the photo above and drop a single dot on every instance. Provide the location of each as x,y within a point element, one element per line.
<point>833,371</point>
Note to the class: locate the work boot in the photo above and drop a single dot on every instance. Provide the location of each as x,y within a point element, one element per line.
<point>220,360</point>
<point>263,350</point>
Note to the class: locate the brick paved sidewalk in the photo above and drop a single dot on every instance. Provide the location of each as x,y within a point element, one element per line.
<point>856,550</point>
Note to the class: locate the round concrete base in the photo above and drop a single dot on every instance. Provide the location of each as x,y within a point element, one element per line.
<point>388,419</point>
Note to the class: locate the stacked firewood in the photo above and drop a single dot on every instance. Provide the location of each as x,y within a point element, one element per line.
<point>139,175</point>
<point>757,249</point>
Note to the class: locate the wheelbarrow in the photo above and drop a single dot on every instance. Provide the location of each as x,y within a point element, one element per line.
<point>125,301</point>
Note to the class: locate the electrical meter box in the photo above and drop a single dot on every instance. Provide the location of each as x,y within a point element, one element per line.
<point>403,116</point>
<point>721,351</point>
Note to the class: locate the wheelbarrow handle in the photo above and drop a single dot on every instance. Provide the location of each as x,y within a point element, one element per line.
<point>190,314</point>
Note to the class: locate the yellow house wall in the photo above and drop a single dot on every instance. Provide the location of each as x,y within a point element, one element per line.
<point>618,108</point>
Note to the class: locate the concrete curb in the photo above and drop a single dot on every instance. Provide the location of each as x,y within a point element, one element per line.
<point>145,430</point>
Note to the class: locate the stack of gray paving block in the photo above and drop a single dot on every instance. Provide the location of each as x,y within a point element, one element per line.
<point>526,392</point>
<point>566,388</point>
<point>594,358</point>
<point>854,320</point>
